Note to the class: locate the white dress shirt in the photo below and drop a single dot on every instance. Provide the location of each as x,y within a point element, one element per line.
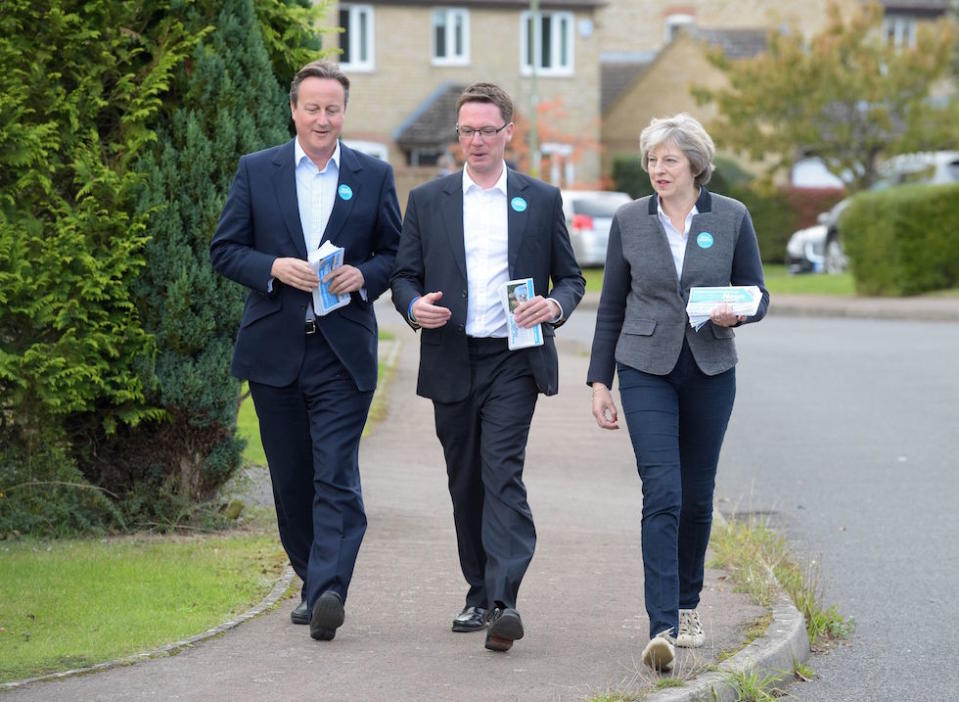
<point>677,240</point>
<point>315,193</point>
<point>486,238</point>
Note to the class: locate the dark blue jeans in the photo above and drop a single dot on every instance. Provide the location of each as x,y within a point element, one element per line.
<point>676,424</point>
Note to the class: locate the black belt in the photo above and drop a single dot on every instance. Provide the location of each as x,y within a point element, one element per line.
<point>487,341</point>
<point>311,326</point>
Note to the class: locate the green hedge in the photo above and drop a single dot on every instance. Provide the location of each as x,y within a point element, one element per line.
<point>903,241</point>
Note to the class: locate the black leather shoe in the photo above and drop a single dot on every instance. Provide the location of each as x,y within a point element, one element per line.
<point>470,619</point>
<point>328,616</point>
<point>300,613</point>
<point>505,627</point>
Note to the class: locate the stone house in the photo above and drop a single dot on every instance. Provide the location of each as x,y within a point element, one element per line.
<point>408,60</point>
<point>654,52</point>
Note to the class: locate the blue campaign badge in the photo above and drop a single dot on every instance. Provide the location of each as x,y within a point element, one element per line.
<point>518,204</point>
<point>705,240</point>
<point>345,191</point>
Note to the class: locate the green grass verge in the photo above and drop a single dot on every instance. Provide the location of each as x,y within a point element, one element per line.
<point>74,603</point>
<point>778,281</point>
<point>760,564</point>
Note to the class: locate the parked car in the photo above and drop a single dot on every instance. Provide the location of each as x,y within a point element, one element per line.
<point>819,248</point>
<point>589,215</point>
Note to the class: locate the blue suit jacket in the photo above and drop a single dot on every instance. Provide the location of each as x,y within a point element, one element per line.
<point>261,222</point>
<point>432,257</point>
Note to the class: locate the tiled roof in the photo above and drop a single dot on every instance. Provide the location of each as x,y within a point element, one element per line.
<point>615,77</point>
<point>433,123</point>
<point>735,43</point>
<point>918,7</point>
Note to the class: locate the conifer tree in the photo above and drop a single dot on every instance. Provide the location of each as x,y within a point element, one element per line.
<point>227,103</point>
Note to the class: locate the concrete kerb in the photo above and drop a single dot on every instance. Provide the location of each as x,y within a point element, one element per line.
<point>280,586</point>
<point>775,653</point>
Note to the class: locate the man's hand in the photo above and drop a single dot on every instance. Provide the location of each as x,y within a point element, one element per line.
<point>295,272</point>
<point>345,279</point>
<point>604,409</point>
<point>536,311</point>
<point>428,314</point>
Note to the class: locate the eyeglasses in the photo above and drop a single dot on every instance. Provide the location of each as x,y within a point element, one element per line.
<point>485,132</point>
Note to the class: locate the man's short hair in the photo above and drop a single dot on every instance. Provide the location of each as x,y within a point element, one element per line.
<point>688,135</point>
<point>487,92</point>
<point>320,69</point>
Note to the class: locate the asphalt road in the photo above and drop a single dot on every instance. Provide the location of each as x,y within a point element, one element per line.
<point>846,433</point>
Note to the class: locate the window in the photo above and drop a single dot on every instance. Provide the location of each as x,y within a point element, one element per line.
<point>356,40</point>
<point>546,43</point>
<point>675,24</point>
<point>370,148</point>
<point>451,36</point>
<point>899,30</point>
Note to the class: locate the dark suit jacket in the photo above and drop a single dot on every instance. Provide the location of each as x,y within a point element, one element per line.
<point>261,222</point>
<point>432,256</point>
<point>641,321</point>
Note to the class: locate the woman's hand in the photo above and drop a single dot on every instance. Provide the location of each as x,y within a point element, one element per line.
<point>723,316</point>
<point>604,409</point>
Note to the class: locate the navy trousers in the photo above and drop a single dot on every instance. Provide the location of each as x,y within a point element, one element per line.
<point>484,443</point>
<point>311,435</point>
<point>676,424</point>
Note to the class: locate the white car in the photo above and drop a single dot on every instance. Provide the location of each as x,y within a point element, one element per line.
<point>589,215</point>
<point>818,248</point>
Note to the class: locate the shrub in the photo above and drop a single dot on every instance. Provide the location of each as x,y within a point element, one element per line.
<point>903,241</point>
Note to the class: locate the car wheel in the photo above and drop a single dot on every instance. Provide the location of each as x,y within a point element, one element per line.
<point>835,258</point>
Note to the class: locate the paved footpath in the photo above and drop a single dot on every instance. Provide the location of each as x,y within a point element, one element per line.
<point>582,600</point>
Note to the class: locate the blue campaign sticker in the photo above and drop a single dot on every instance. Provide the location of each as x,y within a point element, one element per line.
<point>345,191</point>
<point>518,204</point>
<point>705,240</point>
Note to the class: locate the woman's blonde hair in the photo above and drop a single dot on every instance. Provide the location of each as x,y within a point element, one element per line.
<point>688,135</point>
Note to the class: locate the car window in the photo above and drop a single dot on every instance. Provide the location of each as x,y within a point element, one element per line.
<point>953,170</point>
<point>598,206</point>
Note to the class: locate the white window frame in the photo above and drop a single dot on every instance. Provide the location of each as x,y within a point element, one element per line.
<point>899,30</point>
<point>558,22</point>
<point>356,14</point>
<point>371,148</point>
<point>449,17</point>
<point>676,22</point>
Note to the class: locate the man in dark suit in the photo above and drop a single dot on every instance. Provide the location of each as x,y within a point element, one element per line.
<point>311,377</point>
<point>464,236</point>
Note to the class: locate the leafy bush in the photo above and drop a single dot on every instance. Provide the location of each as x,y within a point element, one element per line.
<point>120,128</point>
<point>43,493</point>
<point>903,241</point>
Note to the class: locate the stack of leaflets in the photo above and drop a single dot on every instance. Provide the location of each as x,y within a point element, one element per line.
<point>512,294</point>
<point>743,299</point>
<point>324,260</point>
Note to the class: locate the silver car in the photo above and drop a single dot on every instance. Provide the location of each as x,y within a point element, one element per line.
<point>589,214</point>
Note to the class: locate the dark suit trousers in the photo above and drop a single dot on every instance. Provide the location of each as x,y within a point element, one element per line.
<point>311,434</point>
<point>676,424</point>
<point>484,442</point>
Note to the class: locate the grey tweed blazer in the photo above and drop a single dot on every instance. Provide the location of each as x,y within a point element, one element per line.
<point>641,321</point>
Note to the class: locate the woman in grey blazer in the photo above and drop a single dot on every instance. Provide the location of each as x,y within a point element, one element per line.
<point>677,384</point>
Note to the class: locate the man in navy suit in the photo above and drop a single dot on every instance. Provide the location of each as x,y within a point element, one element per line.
<point>464,236</point>
<point>311,377</point>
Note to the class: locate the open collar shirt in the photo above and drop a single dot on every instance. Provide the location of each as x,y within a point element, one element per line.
<point>486,239</point>
<point>676,238</point>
